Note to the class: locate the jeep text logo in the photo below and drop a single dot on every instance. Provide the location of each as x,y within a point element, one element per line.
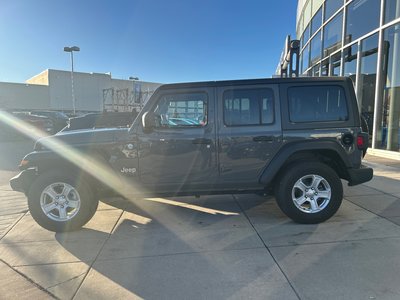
<point>128,170</point>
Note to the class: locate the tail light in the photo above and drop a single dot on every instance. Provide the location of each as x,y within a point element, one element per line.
<point>362,140</point>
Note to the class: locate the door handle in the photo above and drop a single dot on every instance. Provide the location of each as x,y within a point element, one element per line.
<point>263,138</point>
<point>202,141</point>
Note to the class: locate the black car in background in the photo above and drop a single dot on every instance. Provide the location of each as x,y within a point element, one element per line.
<point>9,132</point>
<point>60,119</point>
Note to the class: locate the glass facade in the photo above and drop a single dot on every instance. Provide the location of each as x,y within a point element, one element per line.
<point>346,38</point>
<point>333,35</point>
<point>316,22</point>
<point>389,122</point>
<point>332,6</point>
<point>392,10</point>
<point>362,17</point>
<point>315,51</point>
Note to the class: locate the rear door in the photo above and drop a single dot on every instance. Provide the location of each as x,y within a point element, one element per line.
<point>249,132</point>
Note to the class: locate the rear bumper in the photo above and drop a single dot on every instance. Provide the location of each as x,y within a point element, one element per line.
<point>361,175</point>
<point>23,180</point>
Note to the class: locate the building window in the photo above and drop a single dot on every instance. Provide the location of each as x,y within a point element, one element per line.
<point>332,6</point>
<point>316,21</point>
<point>181,110</point>
<point>315,70</point>
<point>315,48</point>
<point>336,63</point>
<point>387,133</point>
<point>350,62</point>
<point>367,78</point>
<point>325,67</point>
<point>248,107</point>
<point>317,104</point>
<point>392,10</point>
<point>305,59</point>
<point>333,35</point>
<point>362,17</point>
<point>306,35</point>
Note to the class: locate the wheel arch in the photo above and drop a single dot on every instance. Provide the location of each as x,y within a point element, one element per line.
<point>327,152</point>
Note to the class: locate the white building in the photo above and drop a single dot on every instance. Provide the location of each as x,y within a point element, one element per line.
<point>52,90</point>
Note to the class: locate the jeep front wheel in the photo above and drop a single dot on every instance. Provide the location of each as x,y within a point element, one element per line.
<point>58,202</point>
<point>309,192</point>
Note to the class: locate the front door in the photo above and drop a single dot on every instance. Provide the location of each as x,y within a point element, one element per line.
<point>179,153</point>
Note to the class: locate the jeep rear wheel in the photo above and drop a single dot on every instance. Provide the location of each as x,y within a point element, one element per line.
<point>58,202</point>
<point>309,192</point>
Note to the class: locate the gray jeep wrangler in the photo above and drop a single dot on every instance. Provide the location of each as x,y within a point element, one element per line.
<point>297,137</point>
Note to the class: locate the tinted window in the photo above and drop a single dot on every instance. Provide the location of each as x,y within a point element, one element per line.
<point>392,10</point>
<point>333,35</point>
<point>305,59</point>
<point>332,6</point>
<point>362,17</point>
<point>315,48</point>
<point>248,107</point>
<point>316,21</point>
<point>317,104</point>
<point>182,110</point>
<point>306,35</point>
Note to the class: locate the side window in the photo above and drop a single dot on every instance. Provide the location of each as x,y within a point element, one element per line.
<point>181,110</point>
<point>317,104</point>
<point>248,107</point>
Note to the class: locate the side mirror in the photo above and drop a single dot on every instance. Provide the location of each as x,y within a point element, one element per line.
<point>148,121</point>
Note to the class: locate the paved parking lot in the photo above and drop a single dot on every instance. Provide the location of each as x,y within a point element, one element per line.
<point>215,247</point>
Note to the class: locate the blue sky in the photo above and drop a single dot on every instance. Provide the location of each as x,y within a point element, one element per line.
<point>156,40</point>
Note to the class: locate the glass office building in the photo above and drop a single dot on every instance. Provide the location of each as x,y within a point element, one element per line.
<point>359,39</point>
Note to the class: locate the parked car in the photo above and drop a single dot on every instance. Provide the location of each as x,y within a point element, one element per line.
<point>295,137</point>
<point>60,119</point>
<point>9,132</point>
<point>101,120</point>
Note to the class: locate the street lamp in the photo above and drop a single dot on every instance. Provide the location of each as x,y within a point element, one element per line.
<point>71,50</point>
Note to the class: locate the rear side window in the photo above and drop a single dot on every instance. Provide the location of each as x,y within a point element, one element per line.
<point>317,104</point>
<point>248,107</point>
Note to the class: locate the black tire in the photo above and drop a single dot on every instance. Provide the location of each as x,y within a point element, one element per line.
<point>75,215</point>
<point>316,184</point>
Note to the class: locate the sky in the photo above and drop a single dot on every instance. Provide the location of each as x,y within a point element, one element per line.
<point>156,40</point>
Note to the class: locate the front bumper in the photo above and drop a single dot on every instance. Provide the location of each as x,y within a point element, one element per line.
<point>361,175</point>
<point>23,180</point>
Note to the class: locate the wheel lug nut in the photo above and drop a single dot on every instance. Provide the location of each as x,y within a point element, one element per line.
<point>312,198</point>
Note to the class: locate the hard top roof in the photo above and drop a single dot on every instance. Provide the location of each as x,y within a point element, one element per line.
<point>254,81</point>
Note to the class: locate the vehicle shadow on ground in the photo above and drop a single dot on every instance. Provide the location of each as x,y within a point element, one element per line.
<point>191,248</point>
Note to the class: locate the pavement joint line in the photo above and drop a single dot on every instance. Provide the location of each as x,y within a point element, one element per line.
<point>269,251</point>
<point>53,263</point>
<point>337,242</point>
<point>30,280</point>
<point>98,254</point>
<point>176,254</point>
<point>12,226</point>
<point>21,212</point>
<point>46,241</point>
<point>383,217</point>
<point>371,187</point>
<point>65,281</point>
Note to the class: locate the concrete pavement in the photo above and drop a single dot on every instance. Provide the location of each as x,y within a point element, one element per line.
<point>214,247</point>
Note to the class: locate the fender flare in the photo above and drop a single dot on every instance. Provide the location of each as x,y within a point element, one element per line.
<point>274,166</point>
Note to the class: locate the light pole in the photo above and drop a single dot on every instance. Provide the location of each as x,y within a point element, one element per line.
<point>71,50</point>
